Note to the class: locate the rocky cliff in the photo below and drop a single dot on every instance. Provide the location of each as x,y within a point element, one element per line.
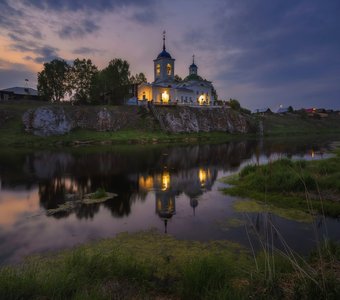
<point>57,120</point>
<point>198,119</point>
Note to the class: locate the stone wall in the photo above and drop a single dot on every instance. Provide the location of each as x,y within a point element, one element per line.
<point>57,120</point>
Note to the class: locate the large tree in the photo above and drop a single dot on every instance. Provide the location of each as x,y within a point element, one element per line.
<point>138,78</point>
<point>83,77</point>
<point>113,81</point>
<point>53,80</point>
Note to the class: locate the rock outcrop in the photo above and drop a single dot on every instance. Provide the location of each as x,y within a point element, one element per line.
<point>46,121</point>
<point>58,120</point>
<point>204,119</point>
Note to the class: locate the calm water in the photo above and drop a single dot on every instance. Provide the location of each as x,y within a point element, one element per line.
<point>173,189</point>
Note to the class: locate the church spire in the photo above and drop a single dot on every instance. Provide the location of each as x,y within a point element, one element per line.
<point>193,59</point>
<point>164,32</point>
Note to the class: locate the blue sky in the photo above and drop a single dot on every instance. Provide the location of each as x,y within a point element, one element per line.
<point>263,53</point>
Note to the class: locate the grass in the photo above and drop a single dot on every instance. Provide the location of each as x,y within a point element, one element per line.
<point>99,193</point>
<point>148,265</point>
<point>296,124</point>
<point>310,186</point>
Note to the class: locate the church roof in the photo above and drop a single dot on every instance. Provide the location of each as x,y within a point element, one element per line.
<point>193,77</point>
<point>164,54</point>
<point>193,65</point>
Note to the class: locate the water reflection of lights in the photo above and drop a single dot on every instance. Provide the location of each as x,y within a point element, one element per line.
<point>203,176</point>
<point>145,183</point>
<point>165,180</point>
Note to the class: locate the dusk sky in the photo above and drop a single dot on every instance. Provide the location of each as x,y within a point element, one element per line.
<point>262,52</point>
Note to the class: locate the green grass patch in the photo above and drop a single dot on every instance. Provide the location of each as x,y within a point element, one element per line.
<point>148,265</point>
<point>251,206</point>
<point>99,193</point>
<point>310,186</point>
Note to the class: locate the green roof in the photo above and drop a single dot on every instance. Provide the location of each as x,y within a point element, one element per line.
<point>193,77</point>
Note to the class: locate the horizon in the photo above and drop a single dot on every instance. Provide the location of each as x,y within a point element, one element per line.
<point>258,52</point>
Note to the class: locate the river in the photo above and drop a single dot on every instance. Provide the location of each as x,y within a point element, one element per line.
<point>172,189</point>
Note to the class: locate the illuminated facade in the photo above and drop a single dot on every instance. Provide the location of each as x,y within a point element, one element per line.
<point>192,91</point>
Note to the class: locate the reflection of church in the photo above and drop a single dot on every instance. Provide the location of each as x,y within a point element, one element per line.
<point>168,186</point>
<point>193,90</point>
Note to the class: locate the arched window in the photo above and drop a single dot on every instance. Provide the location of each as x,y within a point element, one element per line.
<point>168,69</point>
<point>158,69</point>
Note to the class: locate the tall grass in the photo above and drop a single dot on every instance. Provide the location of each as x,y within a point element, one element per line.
<point>283,273</point>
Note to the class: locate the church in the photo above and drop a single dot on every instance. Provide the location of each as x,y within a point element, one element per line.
<point>193,90</point>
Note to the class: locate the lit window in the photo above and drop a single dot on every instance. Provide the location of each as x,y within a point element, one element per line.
<point>165,97</point>
<point>158,69</point>
<point>168,68</point>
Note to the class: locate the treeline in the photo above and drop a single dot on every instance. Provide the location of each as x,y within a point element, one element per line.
<point>83,83</point>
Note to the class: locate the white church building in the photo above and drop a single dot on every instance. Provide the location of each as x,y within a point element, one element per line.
<point>193,90</point>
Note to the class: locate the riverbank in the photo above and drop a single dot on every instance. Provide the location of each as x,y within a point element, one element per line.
<point>144,129</point>
<point>310,186</point>
<point>149,265</point>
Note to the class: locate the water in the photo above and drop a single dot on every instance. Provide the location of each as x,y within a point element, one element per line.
<point>173,189</point>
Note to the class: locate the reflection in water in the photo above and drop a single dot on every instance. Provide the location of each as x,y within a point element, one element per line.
<point>155,186</point>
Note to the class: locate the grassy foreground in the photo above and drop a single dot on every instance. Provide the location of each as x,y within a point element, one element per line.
<point>148,265</point>
<point>310,186</point>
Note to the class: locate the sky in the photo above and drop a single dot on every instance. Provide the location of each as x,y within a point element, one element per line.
<point>265,53</point>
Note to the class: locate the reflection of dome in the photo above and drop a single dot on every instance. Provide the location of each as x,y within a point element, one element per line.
<point>193,204</point>
<point>165,214</point>
<point>164,54</point>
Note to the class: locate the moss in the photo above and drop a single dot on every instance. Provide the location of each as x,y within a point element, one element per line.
<point>99,196</point>
<point>249,206</point>
<point>231,223</point>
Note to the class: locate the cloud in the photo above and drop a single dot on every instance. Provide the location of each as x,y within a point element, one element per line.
<point>17,22</point>
<point>78,30</point>
<point>43,53</point>
<point>89,5</point>
<point>278,46</point>
<point>87,50</point>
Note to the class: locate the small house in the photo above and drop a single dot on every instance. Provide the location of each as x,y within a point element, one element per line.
<point>22,93</point>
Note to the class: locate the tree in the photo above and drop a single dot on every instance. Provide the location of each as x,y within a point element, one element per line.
<point>82,77</point>
<point>178,78</point>
<point>138,78</point>
<point>234,104</point>
<point>112,83</point>
<point>53,80</point>
<point>214,93</point>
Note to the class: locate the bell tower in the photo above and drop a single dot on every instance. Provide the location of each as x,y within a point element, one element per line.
<point>164,65</point>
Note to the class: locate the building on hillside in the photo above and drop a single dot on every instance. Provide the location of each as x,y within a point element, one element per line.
<point>282,110</point>
<point>22,93</point>
<point>263,111</point>
<point>193,90</point>
<point>6,96</point>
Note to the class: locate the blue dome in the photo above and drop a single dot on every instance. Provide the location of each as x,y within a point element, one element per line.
<point>193,66</point>
<point>164,54</point>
